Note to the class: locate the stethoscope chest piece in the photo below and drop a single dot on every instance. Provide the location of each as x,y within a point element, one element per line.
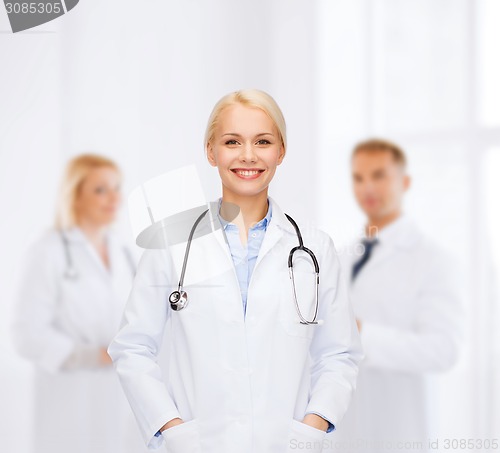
<point>178,300</point>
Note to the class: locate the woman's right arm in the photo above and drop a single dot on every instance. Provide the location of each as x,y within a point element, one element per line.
<point>135,348</point>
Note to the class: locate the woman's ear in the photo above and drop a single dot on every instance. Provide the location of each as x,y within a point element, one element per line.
<point>211,155</point>
<point>406,182</point>
<point>281,155</point>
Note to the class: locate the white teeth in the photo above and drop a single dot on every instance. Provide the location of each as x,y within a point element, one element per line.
<point>247,172</point>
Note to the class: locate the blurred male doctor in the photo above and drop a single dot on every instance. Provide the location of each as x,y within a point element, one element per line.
<point>404,294</point>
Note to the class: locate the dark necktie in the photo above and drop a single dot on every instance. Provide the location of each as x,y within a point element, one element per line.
<point>358,265</point>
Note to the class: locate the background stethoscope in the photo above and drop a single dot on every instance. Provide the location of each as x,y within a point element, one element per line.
<point>71,272</point>
<point>178,299</point>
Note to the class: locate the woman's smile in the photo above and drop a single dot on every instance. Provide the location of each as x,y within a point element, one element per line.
<point>247,173</point>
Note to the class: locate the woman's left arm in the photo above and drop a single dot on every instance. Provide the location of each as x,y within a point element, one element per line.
<point>336,347</point>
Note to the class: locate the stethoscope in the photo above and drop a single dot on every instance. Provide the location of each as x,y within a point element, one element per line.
<point>71,272</point>
<point>179,299</point>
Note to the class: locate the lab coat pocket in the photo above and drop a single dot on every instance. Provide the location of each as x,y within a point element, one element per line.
<point>305,438</point>
<point>183,438</point>
<point>305,291</point>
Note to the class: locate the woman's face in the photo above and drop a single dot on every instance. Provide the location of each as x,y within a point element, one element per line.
<point>246,149</point>
<point>99,197</point>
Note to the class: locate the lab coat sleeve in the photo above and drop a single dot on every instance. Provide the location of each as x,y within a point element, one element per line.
<point>335,348</point>
<point>433,343</point>
<point>135,348</point>
<point>34,334</point>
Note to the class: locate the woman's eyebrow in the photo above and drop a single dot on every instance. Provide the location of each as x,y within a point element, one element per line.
<point>234,134</point>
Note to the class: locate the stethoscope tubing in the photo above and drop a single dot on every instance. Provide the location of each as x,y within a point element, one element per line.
<point>71,273</point>
<point>188,246</point>
<point>178,299</point>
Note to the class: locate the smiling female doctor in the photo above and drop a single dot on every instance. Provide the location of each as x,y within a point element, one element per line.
<point>242,373</point>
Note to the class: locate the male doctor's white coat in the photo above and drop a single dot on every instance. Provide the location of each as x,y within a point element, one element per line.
<point>240,383</point>
<point>408,300</point>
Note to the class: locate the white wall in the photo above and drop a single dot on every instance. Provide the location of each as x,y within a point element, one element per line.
<point>31,160</point>
<point>141,88</point>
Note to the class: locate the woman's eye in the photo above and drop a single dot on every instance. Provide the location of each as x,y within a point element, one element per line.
<point>100,190</point>
<point>263,141</point>
<point>231,142</point>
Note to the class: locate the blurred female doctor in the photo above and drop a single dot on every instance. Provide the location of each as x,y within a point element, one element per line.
<point>72,292</point>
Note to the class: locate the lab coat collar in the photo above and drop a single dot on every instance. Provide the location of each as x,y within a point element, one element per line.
<point>74,234</point>
<point>278,218</point>
<point>401,233</point>
<point>279,223</point>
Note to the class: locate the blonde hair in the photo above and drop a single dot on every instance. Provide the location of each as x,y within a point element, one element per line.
<point>77,169</point>
<point>249,98</point>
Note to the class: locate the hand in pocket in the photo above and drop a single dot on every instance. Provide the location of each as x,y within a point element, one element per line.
<point>183,438</point>
<point>305,438</point>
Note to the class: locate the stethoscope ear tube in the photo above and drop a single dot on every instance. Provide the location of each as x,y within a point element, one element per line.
<point>309,252</point>
<point>316,270</point>
<point>179,299</point>
<point>70,273</point>
<point>316,301</point>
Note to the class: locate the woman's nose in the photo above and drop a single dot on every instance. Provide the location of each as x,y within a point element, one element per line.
<point>248,154</point>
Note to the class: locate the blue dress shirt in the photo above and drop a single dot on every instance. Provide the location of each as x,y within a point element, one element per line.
<point>245,257</point>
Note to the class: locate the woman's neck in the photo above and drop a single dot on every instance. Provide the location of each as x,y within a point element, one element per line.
<point>96,234</point>
<point>252,209</point>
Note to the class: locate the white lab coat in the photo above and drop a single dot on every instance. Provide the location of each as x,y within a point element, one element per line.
<point>407,299</point>
<point>241,384</point>
<point>82,410</point>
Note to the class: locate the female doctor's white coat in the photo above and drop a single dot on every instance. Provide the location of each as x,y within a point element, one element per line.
<point>81,410</point>
<point>240,383</point>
